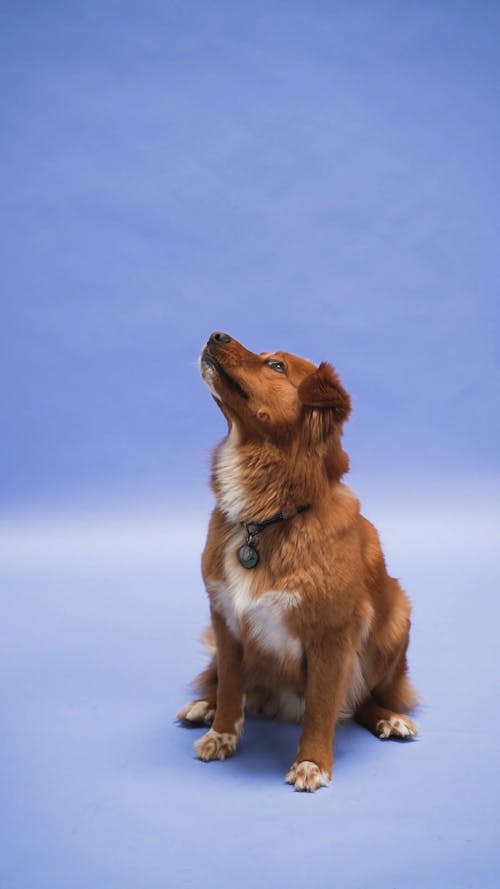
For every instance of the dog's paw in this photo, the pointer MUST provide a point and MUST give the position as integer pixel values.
(307, 776)
(215, 745)
(396, 726)
(197, 713)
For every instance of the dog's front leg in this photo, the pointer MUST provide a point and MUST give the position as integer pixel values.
(328, 663)
(221, 740)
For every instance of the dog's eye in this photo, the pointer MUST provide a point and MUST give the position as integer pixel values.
(277, 365)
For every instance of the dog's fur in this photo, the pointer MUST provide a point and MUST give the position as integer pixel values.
(317, 630)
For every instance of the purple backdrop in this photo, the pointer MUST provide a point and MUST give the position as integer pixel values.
(318, 177)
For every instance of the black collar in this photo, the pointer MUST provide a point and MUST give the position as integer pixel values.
(254, 528)
(247, 554)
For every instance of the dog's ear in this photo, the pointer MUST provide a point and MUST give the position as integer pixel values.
(322, 388)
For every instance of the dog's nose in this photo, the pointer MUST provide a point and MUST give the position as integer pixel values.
(219, 339)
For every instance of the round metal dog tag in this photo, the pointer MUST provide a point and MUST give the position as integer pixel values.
(248, 556)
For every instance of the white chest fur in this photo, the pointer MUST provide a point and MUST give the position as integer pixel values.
(231, 496)
(263, 615)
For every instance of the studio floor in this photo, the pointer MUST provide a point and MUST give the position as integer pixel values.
(101, 612)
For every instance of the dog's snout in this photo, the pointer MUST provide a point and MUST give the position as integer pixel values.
(219, 339)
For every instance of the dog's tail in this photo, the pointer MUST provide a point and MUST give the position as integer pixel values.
(207, 639)
(205, 684)
(396, 692)
(400, 696)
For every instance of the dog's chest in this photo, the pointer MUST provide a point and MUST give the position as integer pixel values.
(259, 616)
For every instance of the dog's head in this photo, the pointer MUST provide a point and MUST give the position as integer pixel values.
(276, 396)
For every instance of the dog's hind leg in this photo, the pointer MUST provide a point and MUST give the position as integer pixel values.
(383, 711)
(395, 691)
(382, 722)
(201, 711)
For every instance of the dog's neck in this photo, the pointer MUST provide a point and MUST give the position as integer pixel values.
(255, 481)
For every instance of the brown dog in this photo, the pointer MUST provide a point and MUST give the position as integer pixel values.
(306, 621)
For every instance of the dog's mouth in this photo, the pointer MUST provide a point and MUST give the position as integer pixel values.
(209, 360)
